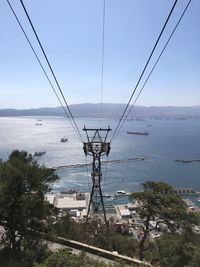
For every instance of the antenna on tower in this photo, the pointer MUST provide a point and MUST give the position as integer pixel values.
(96, 146)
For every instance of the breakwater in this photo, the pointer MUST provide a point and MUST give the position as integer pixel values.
(116, 161)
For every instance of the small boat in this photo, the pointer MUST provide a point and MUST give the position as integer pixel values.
(63, 139)
(39, 153)
(184, 160)
(187, 160)
(120, 192)
(111, 198)
(135, 132)
(198, 199)
(38, 124)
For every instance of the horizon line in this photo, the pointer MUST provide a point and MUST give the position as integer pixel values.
(145, 106)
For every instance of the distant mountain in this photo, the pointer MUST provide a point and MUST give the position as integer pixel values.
(109, 111)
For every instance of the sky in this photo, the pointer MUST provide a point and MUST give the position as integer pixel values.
(71, 34)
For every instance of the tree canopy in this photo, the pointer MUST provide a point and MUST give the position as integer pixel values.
(63, 258)
(174, 249)
(22, 198)
(158, 202)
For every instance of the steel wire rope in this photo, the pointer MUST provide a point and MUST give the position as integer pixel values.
(102, 75)
(87, 172)
(102, 55)
(155, 64)
(51, 69)
(39, 61)
(144, 69)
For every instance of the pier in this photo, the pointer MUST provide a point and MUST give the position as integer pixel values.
(179, 191)
(186, 191)
(117, 195)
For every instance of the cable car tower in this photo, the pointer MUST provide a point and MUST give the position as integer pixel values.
(96, 222)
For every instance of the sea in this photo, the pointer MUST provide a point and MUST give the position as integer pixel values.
(136, 158)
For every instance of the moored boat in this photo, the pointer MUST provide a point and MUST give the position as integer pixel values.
(39, 153)
(120, 192)
(63, 139)
(136, 132)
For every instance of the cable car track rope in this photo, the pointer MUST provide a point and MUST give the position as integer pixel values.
(143, 71)
(49, 65)
(155, 64)
(127, 110)
(41, 65)
(102, 55)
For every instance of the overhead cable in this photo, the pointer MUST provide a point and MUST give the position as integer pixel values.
(158, 59)
(40, 63)
(144, 69)
(51, 69)
(102, 54)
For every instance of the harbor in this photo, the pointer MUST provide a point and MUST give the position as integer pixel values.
(121, 211)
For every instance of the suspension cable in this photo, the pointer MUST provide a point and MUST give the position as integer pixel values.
(155, 64)
(40, 63)
(102, 55)
(50, 67)
(144, 69)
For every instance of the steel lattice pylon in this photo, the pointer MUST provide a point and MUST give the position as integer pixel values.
(96, 146)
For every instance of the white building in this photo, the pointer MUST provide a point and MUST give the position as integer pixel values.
(50, 198)
(68, 203)
(75, 205)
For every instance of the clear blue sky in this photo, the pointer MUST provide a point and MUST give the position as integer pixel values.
(71, 33)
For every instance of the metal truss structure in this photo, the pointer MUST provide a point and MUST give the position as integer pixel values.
(96, 146)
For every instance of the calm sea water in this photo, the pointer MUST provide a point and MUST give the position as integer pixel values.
(167, 141)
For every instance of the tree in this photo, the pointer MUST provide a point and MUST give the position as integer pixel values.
(63, 258)
(157, 201)
(23, 208)
(180, 250)
(68, 228)
(195, 261)
(124, 244)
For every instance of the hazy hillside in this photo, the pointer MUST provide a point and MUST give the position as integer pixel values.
(109, 110)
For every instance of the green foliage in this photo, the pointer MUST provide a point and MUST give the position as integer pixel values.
(68, 228)
(157, 201)
(157, 187)
(177, 250)
(195, 260)
(63, 258)
(22, 204)
(24, 258)
(124, 245)
(24, 211)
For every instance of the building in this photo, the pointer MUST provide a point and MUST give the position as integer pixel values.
(76, 205)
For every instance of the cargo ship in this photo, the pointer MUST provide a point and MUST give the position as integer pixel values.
(135, 132)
